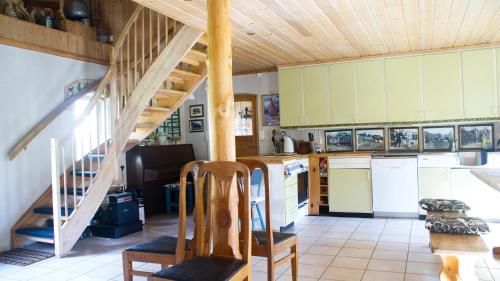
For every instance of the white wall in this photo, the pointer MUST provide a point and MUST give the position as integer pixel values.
(32, 84)
(258, 84)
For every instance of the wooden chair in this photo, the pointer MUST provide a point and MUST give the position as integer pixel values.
(165, 250)
(223, 234)
(269, 243)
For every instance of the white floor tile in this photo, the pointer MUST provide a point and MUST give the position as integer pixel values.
(343, 274)
(382, 276)
(350, 262)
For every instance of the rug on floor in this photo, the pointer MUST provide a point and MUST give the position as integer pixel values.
(23, 257)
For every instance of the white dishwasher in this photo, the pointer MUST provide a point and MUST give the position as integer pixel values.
(395, 186)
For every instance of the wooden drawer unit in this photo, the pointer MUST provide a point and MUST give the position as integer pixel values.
(291, 191)
(291, 180)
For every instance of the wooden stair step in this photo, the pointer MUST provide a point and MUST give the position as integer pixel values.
(47, 211)
(186, 75)
(156, 109)
(190, 61)
(175, 79)
(166, 93)
(146, 126)
(196, 55)
(203, 40)
(37, 233)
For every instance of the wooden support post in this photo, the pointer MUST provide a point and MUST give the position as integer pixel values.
(220, 83)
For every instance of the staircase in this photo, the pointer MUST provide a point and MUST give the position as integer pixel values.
(156, 64)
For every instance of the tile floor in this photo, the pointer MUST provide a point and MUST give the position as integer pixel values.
(349, 249)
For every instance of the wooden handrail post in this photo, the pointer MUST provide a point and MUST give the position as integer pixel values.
(220, 83)
(56, 195)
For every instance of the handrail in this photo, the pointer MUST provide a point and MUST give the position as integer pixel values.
(126, 28)
(27, 138)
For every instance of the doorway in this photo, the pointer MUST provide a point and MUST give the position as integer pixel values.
(247, 131)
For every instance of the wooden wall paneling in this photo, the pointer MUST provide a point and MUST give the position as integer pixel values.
(115, 14)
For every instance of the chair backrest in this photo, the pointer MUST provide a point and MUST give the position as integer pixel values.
(192, 168)
(254, 166)
(226, 231)
(256, 180)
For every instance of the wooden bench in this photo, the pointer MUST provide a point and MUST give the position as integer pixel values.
(459, 253)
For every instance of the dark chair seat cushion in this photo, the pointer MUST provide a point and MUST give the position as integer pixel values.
(456, 225)
(162, 245)
(202, 269)
(278, 237)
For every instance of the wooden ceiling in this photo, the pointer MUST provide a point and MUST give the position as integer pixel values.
(267, 33)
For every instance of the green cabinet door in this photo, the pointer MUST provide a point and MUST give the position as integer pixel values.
(343, 93)
(371, 91)
(403, 85)
(497, 63)
(290, 91)
(442, 86)
(316, 95)
(349, 190)
(478, 68)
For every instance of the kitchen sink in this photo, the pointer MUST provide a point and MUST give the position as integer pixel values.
(472, 158)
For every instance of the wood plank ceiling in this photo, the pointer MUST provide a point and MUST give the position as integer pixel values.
(267, 33)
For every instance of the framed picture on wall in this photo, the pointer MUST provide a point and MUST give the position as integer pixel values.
(271, 110)
(338, 140)
(196, 111)
(196, 126)
(472, 136)
(403, 139)
(370, 139)
(438, 138)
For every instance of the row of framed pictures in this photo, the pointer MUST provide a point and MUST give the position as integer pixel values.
(407, 139)
(196, 125)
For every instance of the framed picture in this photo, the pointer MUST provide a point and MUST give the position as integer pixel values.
(472, 136)
(338, 140)
(271, 110)
(370, 139)
(438, 138)
(196, 111)
(196, 126)
(403, 139)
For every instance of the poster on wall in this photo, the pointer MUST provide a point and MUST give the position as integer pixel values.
(196, 111)
(338, 140)
(77, 86)
(438, 138)
(271, 109)
(403, 139)
(370, 139)
(196, 126)
(473, 136)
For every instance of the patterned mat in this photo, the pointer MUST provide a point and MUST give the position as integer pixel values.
(23, 257)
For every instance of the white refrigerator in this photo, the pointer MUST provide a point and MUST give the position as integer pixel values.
(395, 186)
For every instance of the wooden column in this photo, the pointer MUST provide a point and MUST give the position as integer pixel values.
(220, 83)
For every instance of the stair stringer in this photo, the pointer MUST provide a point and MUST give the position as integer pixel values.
(168, 59)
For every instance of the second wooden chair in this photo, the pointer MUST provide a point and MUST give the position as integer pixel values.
(269, 243)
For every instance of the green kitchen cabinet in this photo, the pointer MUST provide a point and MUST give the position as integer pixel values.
(316, 93)
(371, 91)
(404, 91)
(349, 190)
(479, 83)
(442, 86)
(343, 93)
(290, 92)
(497, 63)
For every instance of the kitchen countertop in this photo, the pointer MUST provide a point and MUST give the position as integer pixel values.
(489, 176)
(276, 159)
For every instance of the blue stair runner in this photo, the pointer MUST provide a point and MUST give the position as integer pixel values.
(48, 211)
(37, 231)
(71, 191)
(95, 156)
(85, 173)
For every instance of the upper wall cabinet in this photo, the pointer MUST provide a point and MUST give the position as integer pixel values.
(403, 86)
(371, 91)
(479, 83)
(442, 86)
(343, 93)
(291, 103)
(316, 81)
(497, 63)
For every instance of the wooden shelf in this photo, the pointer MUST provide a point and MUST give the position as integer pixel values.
(323, 204)
(326, 185)
(323, 194)
(26, 35)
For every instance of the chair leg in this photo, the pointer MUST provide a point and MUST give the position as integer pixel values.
(295, 263)
(259, 213)
(270, 268)
(127, 267)
(252, 215)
